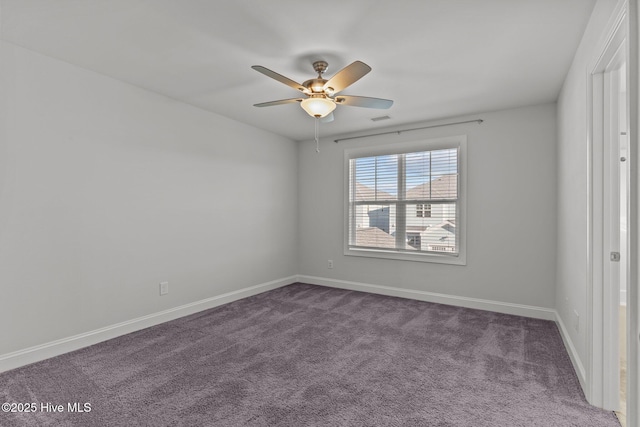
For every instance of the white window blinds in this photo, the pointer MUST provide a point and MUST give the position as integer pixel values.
(406, 202)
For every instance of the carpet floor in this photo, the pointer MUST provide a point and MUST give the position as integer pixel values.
(305, 355)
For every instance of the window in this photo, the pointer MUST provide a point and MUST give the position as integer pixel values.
(423, 211)
(406, 201)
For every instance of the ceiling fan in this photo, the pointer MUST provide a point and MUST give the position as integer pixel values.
(321, 93)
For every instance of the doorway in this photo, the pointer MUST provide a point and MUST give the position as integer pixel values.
(614, 215)
(619, 187)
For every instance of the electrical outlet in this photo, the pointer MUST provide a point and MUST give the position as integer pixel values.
(164, 288)
(576, 321)
(330, 264)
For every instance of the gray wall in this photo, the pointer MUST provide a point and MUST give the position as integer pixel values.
(107, 190)
(511, 212)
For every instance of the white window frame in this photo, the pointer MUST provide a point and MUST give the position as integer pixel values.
(457, 141)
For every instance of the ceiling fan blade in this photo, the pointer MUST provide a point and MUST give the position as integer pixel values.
(279, 102)
(279, 77)
(327, 119)
(363, 101)
(347, 76)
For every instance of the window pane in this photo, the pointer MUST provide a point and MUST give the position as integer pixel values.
(445, 187)
(377, 216)
(373, 237)
(432, 175)
(444, 162)
(418, 168)
(441, 238)
(376, 178)
(432, 226)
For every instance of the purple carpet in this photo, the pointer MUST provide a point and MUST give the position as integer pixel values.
(307, 355)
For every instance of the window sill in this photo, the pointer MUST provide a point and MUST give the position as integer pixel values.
(458, 259)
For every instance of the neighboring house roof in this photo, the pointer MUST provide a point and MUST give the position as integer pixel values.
(373, 237)
(365, 193)
(439, 234)
(450, 226)
(444, 187)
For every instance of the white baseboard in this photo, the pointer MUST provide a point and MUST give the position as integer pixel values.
(573, 353)
(480, 304)
(55, 348)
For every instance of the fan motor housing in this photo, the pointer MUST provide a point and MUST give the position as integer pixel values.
(315, 85)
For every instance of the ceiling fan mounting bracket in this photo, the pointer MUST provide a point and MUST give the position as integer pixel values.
(320, 67)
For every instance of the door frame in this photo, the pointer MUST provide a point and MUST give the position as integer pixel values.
(624, 25)
(633, 290)
(611, 230)
(602, 373)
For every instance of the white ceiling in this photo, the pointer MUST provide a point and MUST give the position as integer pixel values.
(434, 58)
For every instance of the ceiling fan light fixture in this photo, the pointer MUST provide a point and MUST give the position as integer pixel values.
(321, 92)
(318, 107)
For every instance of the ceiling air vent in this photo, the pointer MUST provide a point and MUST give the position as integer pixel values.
(377, 119)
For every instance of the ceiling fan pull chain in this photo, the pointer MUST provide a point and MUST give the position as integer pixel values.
(317, 120)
